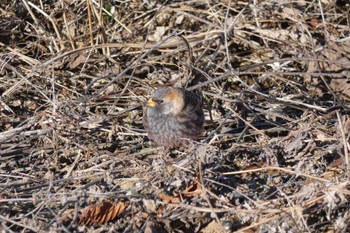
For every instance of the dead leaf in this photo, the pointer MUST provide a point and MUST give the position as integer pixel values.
(336, 163)
(332, 59)
(193, 190)
(169, 199)
(3, 196)
(76, 60)
(101, 213)
(334, 169)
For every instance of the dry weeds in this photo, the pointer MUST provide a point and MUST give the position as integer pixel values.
(275, 76)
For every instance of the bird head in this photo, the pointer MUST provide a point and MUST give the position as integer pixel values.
(167, 100)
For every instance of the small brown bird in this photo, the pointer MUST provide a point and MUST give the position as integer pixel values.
(173, 115)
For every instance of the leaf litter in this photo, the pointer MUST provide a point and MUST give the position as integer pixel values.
(275, 79)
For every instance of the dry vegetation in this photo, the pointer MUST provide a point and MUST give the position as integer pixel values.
(275, 77)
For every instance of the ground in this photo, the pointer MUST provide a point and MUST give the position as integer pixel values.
(274, 75)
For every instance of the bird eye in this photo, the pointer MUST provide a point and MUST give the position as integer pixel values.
(160, 101)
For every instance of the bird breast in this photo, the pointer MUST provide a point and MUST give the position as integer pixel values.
(172, 130)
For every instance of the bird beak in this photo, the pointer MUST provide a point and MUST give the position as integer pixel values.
(151, 103)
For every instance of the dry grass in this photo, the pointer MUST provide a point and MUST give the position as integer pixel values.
(275, 76)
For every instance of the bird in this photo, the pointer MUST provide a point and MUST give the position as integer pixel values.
(174, 115)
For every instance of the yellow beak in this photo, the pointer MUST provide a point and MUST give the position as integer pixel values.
(151, 103)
